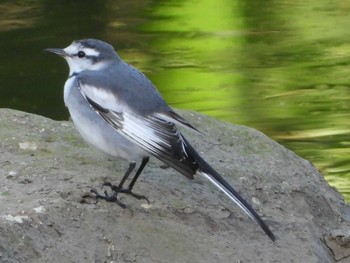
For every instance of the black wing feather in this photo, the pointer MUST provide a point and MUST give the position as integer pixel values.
(170, 146)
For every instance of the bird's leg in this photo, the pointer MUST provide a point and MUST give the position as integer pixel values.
(114, 197)
(133, 181)
(119, 188)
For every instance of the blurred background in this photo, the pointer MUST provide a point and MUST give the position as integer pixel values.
(282, 67)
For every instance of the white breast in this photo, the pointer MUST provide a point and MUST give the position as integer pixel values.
(67, 88)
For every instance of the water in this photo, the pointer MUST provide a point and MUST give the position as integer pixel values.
(281, 67)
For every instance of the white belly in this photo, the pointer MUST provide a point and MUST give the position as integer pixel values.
(95, 130)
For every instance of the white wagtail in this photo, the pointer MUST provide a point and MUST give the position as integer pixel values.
(118, 110)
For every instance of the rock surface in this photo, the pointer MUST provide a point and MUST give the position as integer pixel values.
(46, 214)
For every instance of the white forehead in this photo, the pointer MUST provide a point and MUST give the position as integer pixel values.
(74, 48)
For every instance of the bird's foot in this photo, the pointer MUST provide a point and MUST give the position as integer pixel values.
(137, 196)
(108, 197)
(113, 197)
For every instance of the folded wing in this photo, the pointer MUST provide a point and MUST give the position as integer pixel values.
(155, 133)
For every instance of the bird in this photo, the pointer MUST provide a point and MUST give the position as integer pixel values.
(118, 110)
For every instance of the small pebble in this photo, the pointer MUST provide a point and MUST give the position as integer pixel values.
(146, 205)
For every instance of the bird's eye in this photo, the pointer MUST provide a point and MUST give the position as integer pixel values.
(81, 54)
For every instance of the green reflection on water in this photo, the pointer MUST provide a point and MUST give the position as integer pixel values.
(198, 54)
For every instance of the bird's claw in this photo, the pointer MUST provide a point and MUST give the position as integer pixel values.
(114, 196)
(107, 197)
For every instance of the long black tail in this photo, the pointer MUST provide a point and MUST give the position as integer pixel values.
(208, 172)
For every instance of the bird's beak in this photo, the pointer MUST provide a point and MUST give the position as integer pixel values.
(57, 51)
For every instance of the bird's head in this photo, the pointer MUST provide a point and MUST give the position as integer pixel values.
(86, 54)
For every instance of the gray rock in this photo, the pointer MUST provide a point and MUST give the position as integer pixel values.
(46, 214)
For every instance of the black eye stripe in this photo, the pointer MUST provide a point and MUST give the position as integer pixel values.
(82, 54)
